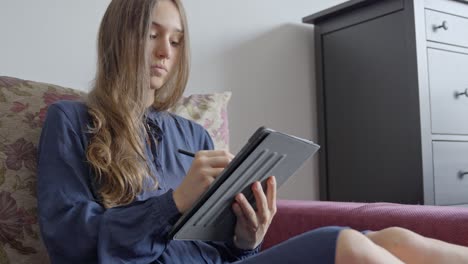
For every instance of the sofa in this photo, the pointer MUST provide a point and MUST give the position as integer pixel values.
(446, 223)
(23, 105)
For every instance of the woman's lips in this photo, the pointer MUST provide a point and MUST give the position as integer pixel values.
(159, 67)
(158, 70)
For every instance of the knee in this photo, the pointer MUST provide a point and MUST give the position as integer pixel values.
(353, 247)
(396, 238)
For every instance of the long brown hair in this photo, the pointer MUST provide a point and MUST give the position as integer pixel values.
(117, 102)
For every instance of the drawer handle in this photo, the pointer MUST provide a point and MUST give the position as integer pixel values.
(444, 26)
(461, 174)
(465, 93)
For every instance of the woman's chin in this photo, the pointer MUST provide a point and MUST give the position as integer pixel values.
(156, 82)
(155, 85)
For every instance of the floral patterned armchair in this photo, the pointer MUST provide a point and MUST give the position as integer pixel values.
(23, 106)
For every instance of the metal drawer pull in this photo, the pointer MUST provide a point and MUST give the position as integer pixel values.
(444, 26)
(461, 174)
(457, 94)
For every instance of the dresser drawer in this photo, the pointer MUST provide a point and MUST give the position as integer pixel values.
(450, 162)
(448, 84)
(445, 28)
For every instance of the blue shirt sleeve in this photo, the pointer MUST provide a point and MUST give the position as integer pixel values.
(77, 229)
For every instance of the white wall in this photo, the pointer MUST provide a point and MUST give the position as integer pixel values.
(258, 49)
(50, 40)
(261, 51)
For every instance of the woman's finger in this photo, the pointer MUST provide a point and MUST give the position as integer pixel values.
(212, 172)
(214, 153)
(261, 202)
(238, 212)
(240, 216)
(217, 161)
(247, 210)
(271, 194)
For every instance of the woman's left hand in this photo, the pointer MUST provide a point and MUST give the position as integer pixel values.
(252, 225)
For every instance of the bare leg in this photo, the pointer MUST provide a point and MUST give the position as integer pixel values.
(353, 247)
(414, 248)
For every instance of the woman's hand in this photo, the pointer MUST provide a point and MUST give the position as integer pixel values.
(206, 166)
(252, 225)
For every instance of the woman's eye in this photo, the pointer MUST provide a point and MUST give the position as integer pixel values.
(175, 43)
(153, 36)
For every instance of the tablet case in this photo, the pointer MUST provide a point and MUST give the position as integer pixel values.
(271, 153)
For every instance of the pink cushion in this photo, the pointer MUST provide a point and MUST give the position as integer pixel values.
(441, 222)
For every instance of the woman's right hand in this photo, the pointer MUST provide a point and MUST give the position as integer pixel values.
(206, 166)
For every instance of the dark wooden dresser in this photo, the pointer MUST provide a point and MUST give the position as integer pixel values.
(392, 86)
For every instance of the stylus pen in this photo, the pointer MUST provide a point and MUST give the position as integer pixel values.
(185, 152)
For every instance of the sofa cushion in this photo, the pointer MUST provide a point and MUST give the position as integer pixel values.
(23, 106)
(447, 223)
(210, 111)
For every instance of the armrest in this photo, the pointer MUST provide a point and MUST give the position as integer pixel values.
(446, 223)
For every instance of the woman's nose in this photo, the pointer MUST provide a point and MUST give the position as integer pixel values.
(163, 51)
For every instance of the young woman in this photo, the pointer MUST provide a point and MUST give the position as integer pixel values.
(111, 184)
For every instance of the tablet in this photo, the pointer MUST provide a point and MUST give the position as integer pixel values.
(266, 153)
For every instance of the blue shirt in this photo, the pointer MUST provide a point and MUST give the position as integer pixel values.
(76, 228)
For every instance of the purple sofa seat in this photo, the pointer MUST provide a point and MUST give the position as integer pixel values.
(295, 217)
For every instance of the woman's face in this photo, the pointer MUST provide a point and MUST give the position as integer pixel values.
(165, 41)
